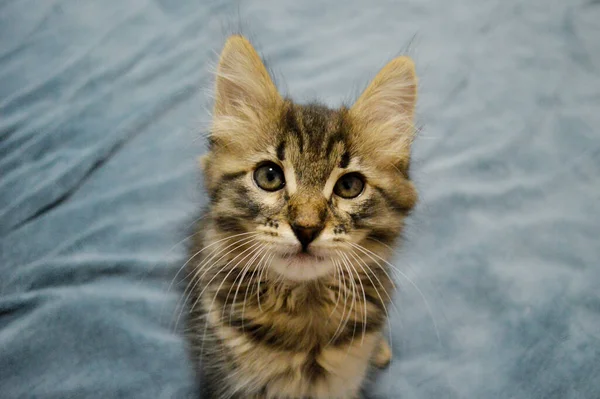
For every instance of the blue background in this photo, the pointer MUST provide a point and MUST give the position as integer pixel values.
(102, 114)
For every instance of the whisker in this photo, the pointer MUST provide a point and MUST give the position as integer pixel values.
(199, 252)
(342, 280)
(387, 275)
(339, 278)
(260, 279)
(196, 280)
(154, 266)
(354, 302)
(196, 271)
(202, 265)
(222, 281)
(387, 316)
(245, 270)
(400, 273)
(344, 321)
(250, 234)
(258, 269)
(252, 248)
(364, 332)
(397, 252)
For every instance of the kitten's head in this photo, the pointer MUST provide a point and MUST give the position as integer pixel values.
(308, 185)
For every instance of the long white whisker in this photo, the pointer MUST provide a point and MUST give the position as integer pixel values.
(260, 278)
(354, 301)
(194, 281)
(208, 284)
(364, 332)
(344, 321)
(394, 268)
(237, 244)
(199, 252)
(257, 271)
(344, 307)
(339, 279)
(252, 248)
(248, 266)
(387, 316)
(154, 266)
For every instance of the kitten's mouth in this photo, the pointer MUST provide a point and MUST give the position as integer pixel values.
(302, 265)
(303, 257)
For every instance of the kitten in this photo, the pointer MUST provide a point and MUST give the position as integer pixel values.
(288, 285)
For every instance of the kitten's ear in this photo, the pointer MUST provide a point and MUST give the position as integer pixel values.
(242, 80)
(385, 110)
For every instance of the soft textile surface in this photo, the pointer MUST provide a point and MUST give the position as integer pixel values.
(102, 105)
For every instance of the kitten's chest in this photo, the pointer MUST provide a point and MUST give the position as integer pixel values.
(299, 349)
(316, 372)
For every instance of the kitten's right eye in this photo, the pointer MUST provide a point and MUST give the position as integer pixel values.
(349, 186)
(269, 177)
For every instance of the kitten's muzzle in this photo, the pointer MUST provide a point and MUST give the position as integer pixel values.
(307, 211)
(306, 234)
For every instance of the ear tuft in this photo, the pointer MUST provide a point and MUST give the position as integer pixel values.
(392, 91)
(384, 113)
(242, 80)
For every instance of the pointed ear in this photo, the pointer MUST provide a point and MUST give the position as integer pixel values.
(243, 83)
(385, 111)
(392, 92)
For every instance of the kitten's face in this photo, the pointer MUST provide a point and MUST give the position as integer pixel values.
(309, 187)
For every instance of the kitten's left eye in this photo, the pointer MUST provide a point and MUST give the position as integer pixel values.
(269, 177)
(349, 186)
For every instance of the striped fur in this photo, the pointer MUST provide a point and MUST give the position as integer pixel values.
(266, 322)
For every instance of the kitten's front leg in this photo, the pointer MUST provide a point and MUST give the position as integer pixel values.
(383, 354)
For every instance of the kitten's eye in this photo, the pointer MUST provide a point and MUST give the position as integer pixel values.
(349, 185)
(269, 177)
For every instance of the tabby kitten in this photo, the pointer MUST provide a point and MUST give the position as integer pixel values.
(288, 283)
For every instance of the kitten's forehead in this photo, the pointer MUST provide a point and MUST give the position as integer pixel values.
(315, 140)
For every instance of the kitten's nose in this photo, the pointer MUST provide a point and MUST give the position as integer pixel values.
(306, 234)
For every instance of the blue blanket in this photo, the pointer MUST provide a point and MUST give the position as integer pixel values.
(102, 114)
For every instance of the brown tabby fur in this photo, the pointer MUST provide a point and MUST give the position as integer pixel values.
(257, 332)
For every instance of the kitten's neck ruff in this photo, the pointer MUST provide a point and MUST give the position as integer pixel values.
(296, 315)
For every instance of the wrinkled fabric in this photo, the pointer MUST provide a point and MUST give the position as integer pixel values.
(103, 109)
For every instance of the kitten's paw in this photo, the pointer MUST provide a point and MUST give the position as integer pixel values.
(383, 356)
